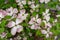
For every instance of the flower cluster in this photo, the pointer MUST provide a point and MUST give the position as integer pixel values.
(30, 19)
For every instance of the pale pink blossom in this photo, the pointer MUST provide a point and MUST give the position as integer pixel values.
(19, 28)
(17, 1)
(46, 15)
(15, 10)
(48, 25)
(35, 26)
(22, 15)
(20, 5)
(18, 21)
(12, 11)
(46, 1)
(43, 31)
(16, 29)
(11, 24)
(22, 11)
(32, 21)
(39, 21)
(25, 38)
(13, 30)
(41, 1)
(33, 6)
(3, 34)
(46, 32)
(24, 2)
(47, 35)
(3, 13)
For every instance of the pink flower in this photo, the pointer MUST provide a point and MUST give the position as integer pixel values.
(22, 15)
(11, 24)
(48, 25)
(35, 26)
(39, 21)
(16, 29)
(19, 28)
(3, 34)
(3, 13)
(18, 21)
(13, 30)
(41, 1)
(43, 31)
(22, 11)
(32, 21)
(12, 11)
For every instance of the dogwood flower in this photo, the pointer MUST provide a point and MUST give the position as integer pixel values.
(48, 25)
(34, 20)
(3, 35)
(22, 15)
(11, 24)
(12, 11)
(33, 6)
(46, 15)
(19, 1)
(46, 1)
(15, 29)
(3, 13)
(24, 2)
(35, 26)
(18, 21)
(41, 1)
(46, 32)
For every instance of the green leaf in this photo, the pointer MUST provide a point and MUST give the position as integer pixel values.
(38, 33)
(9, 34)
(51, 19)
(7, 17)
(3, 23)
(34, 14)
(2, 30)
(24, 24)
(42, 24)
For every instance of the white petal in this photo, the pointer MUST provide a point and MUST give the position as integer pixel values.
(15, 10)
(47, 35)
(2, 16)
(22, 11)
(47, 10)
(36, 16)
(41, 1)
(19, 28)
(23, 2)
(38, 21)
(11, 24)
(46, 1)
(18, 21)
(13, 30)
(44, 31)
